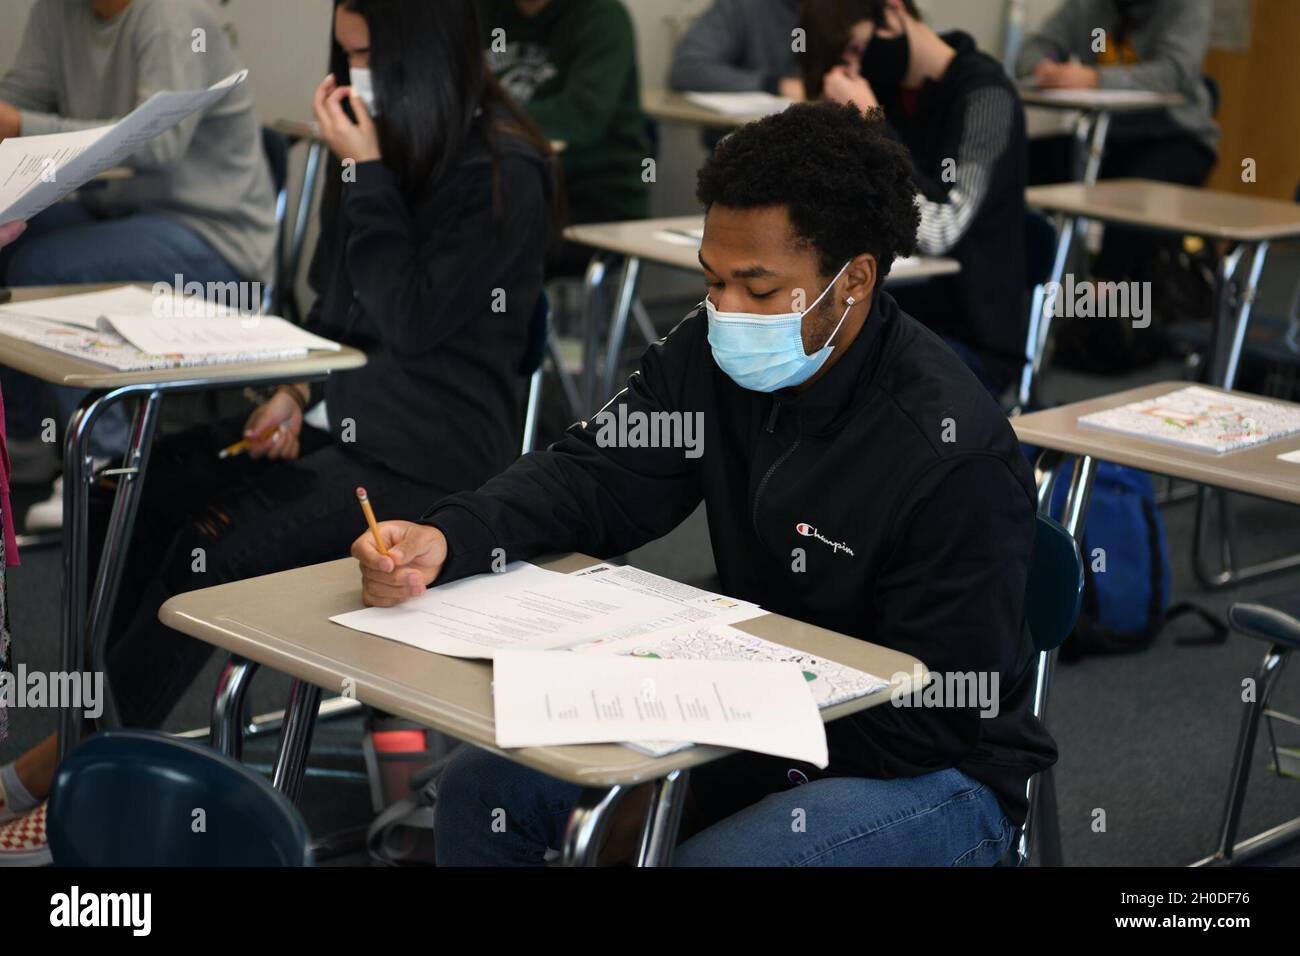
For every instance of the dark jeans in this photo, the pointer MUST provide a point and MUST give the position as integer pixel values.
(204, 522)
(939, 819)
(1184, 160)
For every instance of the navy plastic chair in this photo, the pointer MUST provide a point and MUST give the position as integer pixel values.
(137, 798)
(534, 366)
(1053, 599)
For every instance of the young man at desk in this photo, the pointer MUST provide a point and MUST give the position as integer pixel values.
(856, 476)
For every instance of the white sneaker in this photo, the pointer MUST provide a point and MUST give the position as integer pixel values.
(47, 515)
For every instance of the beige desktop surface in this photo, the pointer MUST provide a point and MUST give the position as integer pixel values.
(676, 108)
(1164, 206)
(1255, 471)
(282, 621)
(1142, 101)
(60, 369)
(645, 239)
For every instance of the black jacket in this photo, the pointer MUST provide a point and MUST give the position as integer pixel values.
(439, 296)
(897, 454)
(968, 146)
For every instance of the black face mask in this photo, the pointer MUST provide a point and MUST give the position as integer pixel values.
(885, 61)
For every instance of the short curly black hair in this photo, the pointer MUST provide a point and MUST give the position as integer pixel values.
(848, 186)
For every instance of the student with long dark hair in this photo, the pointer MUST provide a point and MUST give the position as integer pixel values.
(434, 233)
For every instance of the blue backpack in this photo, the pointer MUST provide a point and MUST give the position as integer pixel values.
(1126, 564)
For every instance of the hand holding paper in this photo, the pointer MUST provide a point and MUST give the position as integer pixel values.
(38, 171)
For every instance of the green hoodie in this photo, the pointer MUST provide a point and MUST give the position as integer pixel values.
(573, 68)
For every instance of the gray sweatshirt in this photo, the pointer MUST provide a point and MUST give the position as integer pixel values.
(737, 46)
(1170, 40)
(74, 71)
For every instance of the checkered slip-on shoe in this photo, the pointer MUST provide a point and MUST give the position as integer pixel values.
(23, 841)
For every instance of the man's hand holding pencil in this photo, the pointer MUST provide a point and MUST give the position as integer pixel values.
(414, 558)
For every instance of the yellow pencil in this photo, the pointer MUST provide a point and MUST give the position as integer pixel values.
(370, 520)
(239, 447)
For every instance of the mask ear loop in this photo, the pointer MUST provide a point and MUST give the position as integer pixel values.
(836, 331)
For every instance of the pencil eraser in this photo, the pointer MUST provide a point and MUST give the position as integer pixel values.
(361, 493)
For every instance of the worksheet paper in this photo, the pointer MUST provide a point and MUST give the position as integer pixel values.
(38, 171)
(542, 698)
(740, 104)
(829, 682)
(197, 338)
(526, 607)
(87, 309)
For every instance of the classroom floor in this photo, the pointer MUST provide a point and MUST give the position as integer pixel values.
(1147, 738)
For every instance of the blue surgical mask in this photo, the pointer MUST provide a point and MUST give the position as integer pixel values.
(764, 353)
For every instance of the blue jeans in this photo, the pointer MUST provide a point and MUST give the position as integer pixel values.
(494, 812)
(67, 244)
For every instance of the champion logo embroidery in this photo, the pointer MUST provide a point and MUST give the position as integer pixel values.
(808, 531)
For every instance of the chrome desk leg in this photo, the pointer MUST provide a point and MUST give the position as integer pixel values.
(663, 818)
(297, 241)
(1043, 310)
(126, 503)
(592, 283)
(227, 733)
(618, 327)
(295, 740)
(588, 824)
(1234, 312)
(76, 655)
(1096, 148)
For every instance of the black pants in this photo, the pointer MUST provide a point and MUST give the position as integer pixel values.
(1181, 159)
(203, 522)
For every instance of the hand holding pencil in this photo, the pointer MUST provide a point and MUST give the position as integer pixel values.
(273, 430)
(398, 559)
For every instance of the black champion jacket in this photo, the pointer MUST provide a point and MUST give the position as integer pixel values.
(895, 476)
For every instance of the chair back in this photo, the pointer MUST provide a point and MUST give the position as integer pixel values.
(1055, 592)
(143, 798)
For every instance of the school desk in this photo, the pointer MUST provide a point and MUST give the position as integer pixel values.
(1249, 223)
(1095, 109)
(671, 107)
(666, 242)
(1254, 471)
(85, 623)
(282, 621)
